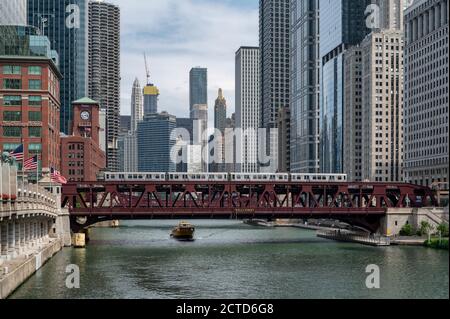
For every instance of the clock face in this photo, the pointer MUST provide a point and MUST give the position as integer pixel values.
(85, 115)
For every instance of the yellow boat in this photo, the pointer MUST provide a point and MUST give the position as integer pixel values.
(184, 231)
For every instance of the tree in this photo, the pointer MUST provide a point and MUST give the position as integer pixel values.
(406, 230)
(443, 229)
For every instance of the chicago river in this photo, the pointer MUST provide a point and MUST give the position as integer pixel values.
(229, 259)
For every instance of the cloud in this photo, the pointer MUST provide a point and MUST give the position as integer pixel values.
(178, 35)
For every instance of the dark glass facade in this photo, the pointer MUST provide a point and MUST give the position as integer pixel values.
(305, 85)
(342, 24)
(66, 27)
(154, 143)
(198, 87)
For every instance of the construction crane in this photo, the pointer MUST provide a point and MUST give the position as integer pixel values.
(147, 71)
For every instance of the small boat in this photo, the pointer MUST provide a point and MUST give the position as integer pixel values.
(184, 231)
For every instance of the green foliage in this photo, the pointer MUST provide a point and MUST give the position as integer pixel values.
(443, 229)
(425, 229)
(407, 230)
(437, 244)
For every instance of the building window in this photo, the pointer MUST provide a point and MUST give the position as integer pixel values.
(35, 100)
(34, 70)
(9, 100)
(12, 84)
(8, 147)
(12, 131)
(35, 131)
(34, 84)
(11, 69)
(34, 149)
(34, 116)
(12, 116)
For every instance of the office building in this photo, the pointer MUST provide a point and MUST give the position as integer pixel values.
(137, 106)
(200, 131)
(274, 44)
(154, 143)
(104, 70)
(220, 112)
(128, 161)
(247, 108)
(65, 23)
(342, 25)
(29, 96)
(198, 88)
(13, 12)
(426, 93)
(151, 96)
(305, 87)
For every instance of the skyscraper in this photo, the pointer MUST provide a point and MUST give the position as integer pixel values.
(391, 13)
(247, 107)
(137, 107)
(65, 23)
(426, 92)
(198, 87)
(342, 24)
(274, 39)
(305, 86)
(13, 12)
(155, 143)
(151, 96)
(104, 70)
(220, 112)
(382, 106)
(200, 116)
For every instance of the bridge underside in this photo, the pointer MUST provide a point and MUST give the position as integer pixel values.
(357, 203)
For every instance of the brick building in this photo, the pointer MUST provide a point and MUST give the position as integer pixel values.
(29, 96)
(81, 152)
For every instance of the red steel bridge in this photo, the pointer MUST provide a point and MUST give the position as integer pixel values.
(360, 204)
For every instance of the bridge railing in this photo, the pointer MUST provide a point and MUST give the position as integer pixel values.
(25, 196)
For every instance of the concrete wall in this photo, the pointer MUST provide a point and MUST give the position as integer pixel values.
(11, 281)
(399, 217)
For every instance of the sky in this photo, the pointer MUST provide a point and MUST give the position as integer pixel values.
(177, 35)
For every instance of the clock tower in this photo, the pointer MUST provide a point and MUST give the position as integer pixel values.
(86, 119)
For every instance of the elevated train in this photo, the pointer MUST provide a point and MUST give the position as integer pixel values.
(222, 177)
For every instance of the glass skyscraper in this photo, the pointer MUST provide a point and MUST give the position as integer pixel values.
(65, 23)
(342, 24)
(305, 85)
(198, 87)
(155, 144)
(13, 12)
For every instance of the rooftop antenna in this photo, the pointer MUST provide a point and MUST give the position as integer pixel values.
(147, 71)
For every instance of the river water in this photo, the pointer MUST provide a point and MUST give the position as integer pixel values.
(232, 260)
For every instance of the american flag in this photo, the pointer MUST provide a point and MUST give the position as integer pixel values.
(57, 177)
(31, 164)
(18, 153)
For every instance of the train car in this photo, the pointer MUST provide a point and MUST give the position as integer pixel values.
(197, 177)
(134, 177)
(258, 177)
(318, 178)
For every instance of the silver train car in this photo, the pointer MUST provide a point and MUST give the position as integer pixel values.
(222, 177)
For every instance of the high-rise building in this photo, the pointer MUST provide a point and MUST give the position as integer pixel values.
(82, 156)
(104, 70)
(284, 121)
(137, 106)
(426, 92)
(154, 143)
(128, 161)
(200, 119)
(13, 12)
(220, 112)
(29, 96)
(185, 142)
(353, 113)
(382, 106)
(151, 96)
(274, 43)
(305, 86)
(391, 14)
(125, 124)
(65, 23)
(198, 87)
(247, 108)
(342, 24)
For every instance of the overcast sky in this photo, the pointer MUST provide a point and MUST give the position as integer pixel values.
(178, 35)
